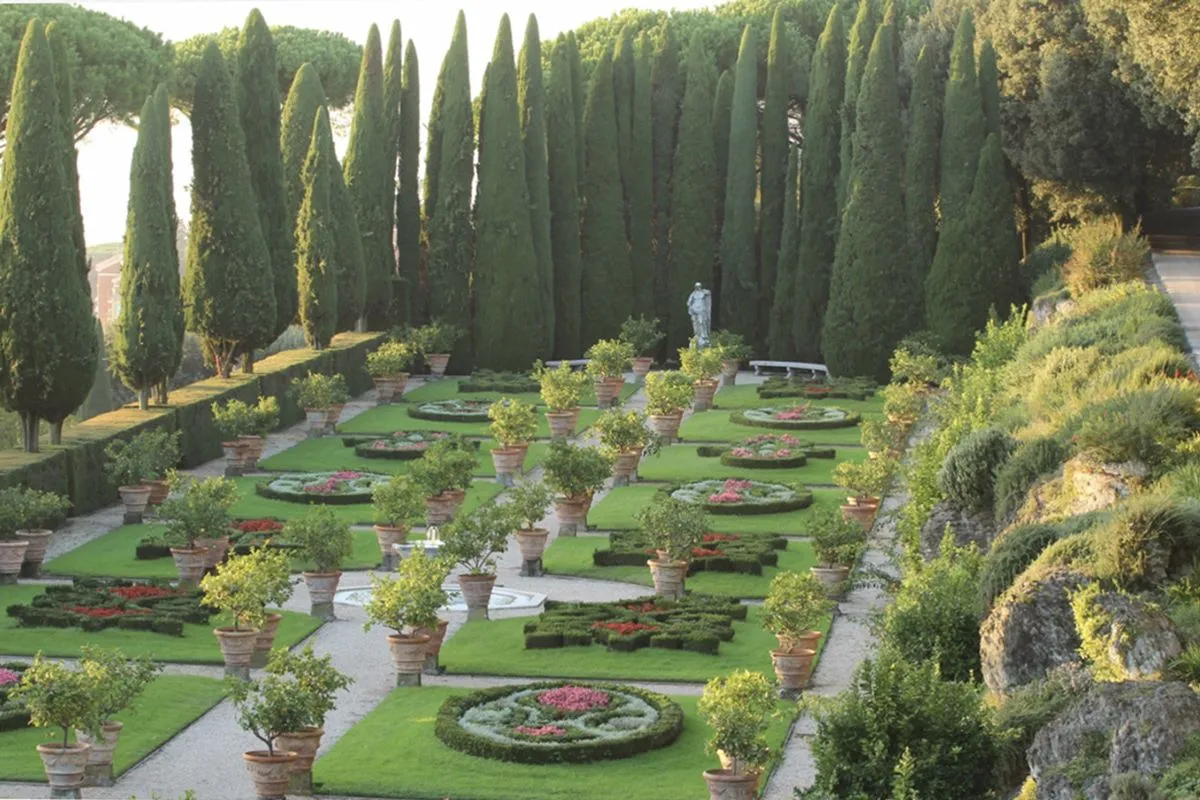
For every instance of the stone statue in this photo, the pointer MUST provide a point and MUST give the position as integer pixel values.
(699, 305)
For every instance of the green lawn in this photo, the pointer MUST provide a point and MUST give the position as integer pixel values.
(252, 506)
(448, 389)
(395, 417)
(746, 396)
(716, 426)
(196, 646)
(366, 761)
(618, 510)
(572, 555)
(169, 704)
(329, 454)
(680, 463)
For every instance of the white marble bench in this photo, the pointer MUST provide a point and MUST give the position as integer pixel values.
(790, 366)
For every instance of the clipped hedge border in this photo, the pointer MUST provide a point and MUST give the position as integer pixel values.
(664, 732)
(435, 416)
(757, 550)
(730, 460)
(264, 489)
(13, 714)
(500, 382)
(849, 421)
(804, 499)
(837, 394)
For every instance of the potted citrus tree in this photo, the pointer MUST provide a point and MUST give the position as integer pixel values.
(738, 709)
(473, 541)
(316, 681)
(408, 605)
(674, 529)
(607, 361)
(667, 395)
(795, 604)
(734, 351)
(118, 680)
(130, 465)
(529, 502)
(837, 543)
(397, 502)
(12, 549)
(642, 335)
(235, 421)
(313, 393)
(241, 589)
(575, 474)
(444, 475)
(388, 367)
(325, 542)
(623, 437)
(561, 389)
(267, 708)
(57, 696)
(514, 424)
(28, 518)
(162, 449)
(198, 523)
(865, 480)
(434, 342)
(701, 365)
(264, 418)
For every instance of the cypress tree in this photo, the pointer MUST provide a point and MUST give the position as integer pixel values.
(579, 92)
(101, 398)
(963, 124)
(315, 243)
(228, 291)
(739, 269)
(861, 36)
(258, 106)
(295, 136)
(722, 114)
(408, 199)
(989, 88)
(871, 288)
(606, 287)
(531, 95)
(147, 334)
(393, 88)
(47, 333)
(779, 334)
(562, 158)
(451, 237)
(510, 327)
(666, 87)
(694, 204)
(920, 165)
(349, 266)
(773, 167)
(623, 68)
(640, 184)
(819, 209)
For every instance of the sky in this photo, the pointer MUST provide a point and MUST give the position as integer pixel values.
(105, 154)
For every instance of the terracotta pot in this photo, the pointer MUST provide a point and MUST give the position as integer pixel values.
(269, 773)
(571, 513)
(387, 536)
(304, 743)
(215, 550)
(617, 383)
(408, 653)
(625, 464)
(437, 363)
(562, 424)
(729, 371)
(333, 415)
(606, 393)
(322, 585)
(316, 420)
(724, 785)
(808, 640)
(190, 562)
(508, 460)
(436, 637)
(575, 417)
(641, 367)
(37, 542)
(532, 543)
(863, 515)
(266, 634)
(64, 765)
(702, 394)
(235, 456)
(159, 491)
(100, 754)
(668, 577)
(401, 380)
(666, 425)
(135, 499)
(734, 765)
(385, 389)
(438, 509)
(237, 646)
(456, 497)
(833, 579)
(793, 668)
(477, 592)
(254, 450)
(524, 448)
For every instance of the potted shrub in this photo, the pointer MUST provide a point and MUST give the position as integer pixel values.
(444, 475)
(903, 403)
(607, 361)
(322, 398)
(60, 697)
(339, 395)
(273, 571)
(575, 473)
(674, 529)
(865, 480)
(514, 424)
(234, 420)
(163, 451)
(267, 708)
(837, 543)
(397, 502)
(241, 588)
(795, 604)
(28, 518)
(315, 680)
(264, 418)
(325, 542)
(529, 502)
(434, 342)
(130, 465)
(561, 389)
(473, 541)
(12, 549)
(117, 681)
(197, 523)
(734, 351)
(701, 365)
(388, 367)
(667, 395)
(882, 438)
(738, 709)
(409, 606)
(642, 335)
(623, 437)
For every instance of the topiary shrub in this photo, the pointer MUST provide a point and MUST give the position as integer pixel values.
(1017, 475)
(968, 476)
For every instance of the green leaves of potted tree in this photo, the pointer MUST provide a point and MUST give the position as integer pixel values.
(674, 528)
(667, 395)
(701, 365)
(64, 698)
(198, 523)
(396, 503)
(575, 473)
(444, 474)
(162, 450)
(734, 351)
(267, 708)
(795, 604)
(529, 502)
(264, 418)
(315, 681)
(389, 367)
(117, 680)
(623, 437)
(130, 465)
(837, 543)
(28, 518)
(866, 480)
(408, 605)
(235, 422)
(561, 389)
(241, 588)
(326, 542)
(473, 541)
(642, 335)
(434, 342)
(514, 424)
(738, 709)
(322, 398)
(607, 361)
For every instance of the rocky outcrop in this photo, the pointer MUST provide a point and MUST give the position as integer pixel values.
(1126, 638)
(1048, 306)
(1115, 728)
(1081, 487)
(969, 527)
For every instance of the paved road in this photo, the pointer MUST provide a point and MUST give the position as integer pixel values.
(1179, 274)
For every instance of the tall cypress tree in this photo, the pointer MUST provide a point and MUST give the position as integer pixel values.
(640, 184)
(773, 166)
(349, 266)
(510, 327)
(147, 334)
(393, 88)
(623, 68)
(317, 284)
(562, 157)
(989, 87)
(47, 333)
(779, 334)
(229, 294)
(871, 286)
(666, 86)
(532, 99)
(693, 234)
(579, 92)
(721, 116)
(607, 283)
(408, 198)
(963, 124)
(920, 165)
(448, 205)
(258, 106)
(861, 36)
(739, 267)
(299, 111)
(819, 209)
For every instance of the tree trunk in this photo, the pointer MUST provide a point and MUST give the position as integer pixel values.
(56, 432)
(248, 362)
(29, 431)
(160, 394)
(144, 398)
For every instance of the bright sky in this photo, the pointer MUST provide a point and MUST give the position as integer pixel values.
(104, 156)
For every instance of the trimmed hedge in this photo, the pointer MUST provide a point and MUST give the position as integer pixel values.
(486, 380)
(435, 416)
(803, 499)
(730, 460)
(744, 552)
(166, 614)
(776, 387)
(76, 467)
(849, 421)
(263, 489)
(13, 713)
(718, 451)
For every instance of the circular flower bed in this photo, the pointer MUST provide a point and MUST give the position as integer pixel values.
(556, 722)
(801, 417)
(452, 410)
(400, 445)
(740, 496)
(332, 488)
(768, 450)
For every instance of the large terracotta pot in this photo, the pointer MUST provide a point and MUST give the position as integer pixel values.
(624, 466)
(332, 416)
(606, 392)
(437, 363)
(666, 425)
(571, 513)
(792, 668)
(315, 419)
(304, 743)
(723, 785)
(734, 765)
(562, 424)
(575, 417)
(266, 634)
(159, 491)
(269, 773)
(456, 497)
(436, 637)
(532, 543)
(641, 367)
(237, 646)
(385, 389)
(508, 462)
(729, 371)
(833, 579)
(668, 577)
(254, 450)
(805, 641)
(215, 550)
(64, 766)
(35, 553)
(12, 555)
(322, 586)
(438, 509)
(477, 592)
(408, 656)
(863, 514)
(702, 394)
(100, 753)
(401, 380)
(235, 457)
(135, 498)
(190, 562)
(388, 537)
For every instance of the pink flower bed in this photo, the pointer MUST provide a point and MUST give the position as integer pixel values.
(332, 483)
(7, 676)
(795, 412)
(574, 698)
(543, 730)
(731, 491)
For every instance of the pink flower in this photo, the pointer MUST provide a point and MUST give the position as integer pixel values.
(742, 452)
(796, 412)
(734, 485)
(725, 497)
(544, 730)
(346, 476)
(787, 438)
(7, 676)
(325, 487)
(574, 698)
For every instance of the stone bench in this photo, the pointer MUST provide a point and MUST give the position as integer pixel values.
(574, 363)
(790, 366)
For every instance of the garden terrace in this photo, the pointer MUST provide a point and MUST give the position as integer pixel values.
(696, 624)
(720, 552)
(332, 454)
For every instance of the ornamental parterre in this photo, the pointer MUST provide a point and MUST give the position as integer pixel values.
(399, 445)
(454, 410)
(13, 713)
(94, 605)
(720, 552)
(333, 488)
(742, 496)
(558, 722)
(799, 417)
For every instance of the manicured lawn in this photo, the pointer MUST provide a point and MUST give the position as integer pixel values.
(196, 646)
(681, 463)
(366, 761)
(618, 511)
(572, 555)
(746, 396)
(252, 506)
(716, 426)
(448, 389)
(395, 417)
(169, 704)
(328, 454)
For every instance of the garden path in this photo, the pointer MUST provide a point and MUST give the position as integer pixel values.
(1179, 274)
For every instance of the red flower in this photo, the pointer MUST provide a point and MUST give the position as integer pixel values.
(623, 628)
(643, 608)
(139, 591)
(106, 612)
(709, 538)
(701, 552)
(259, 526)
(574, 698)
